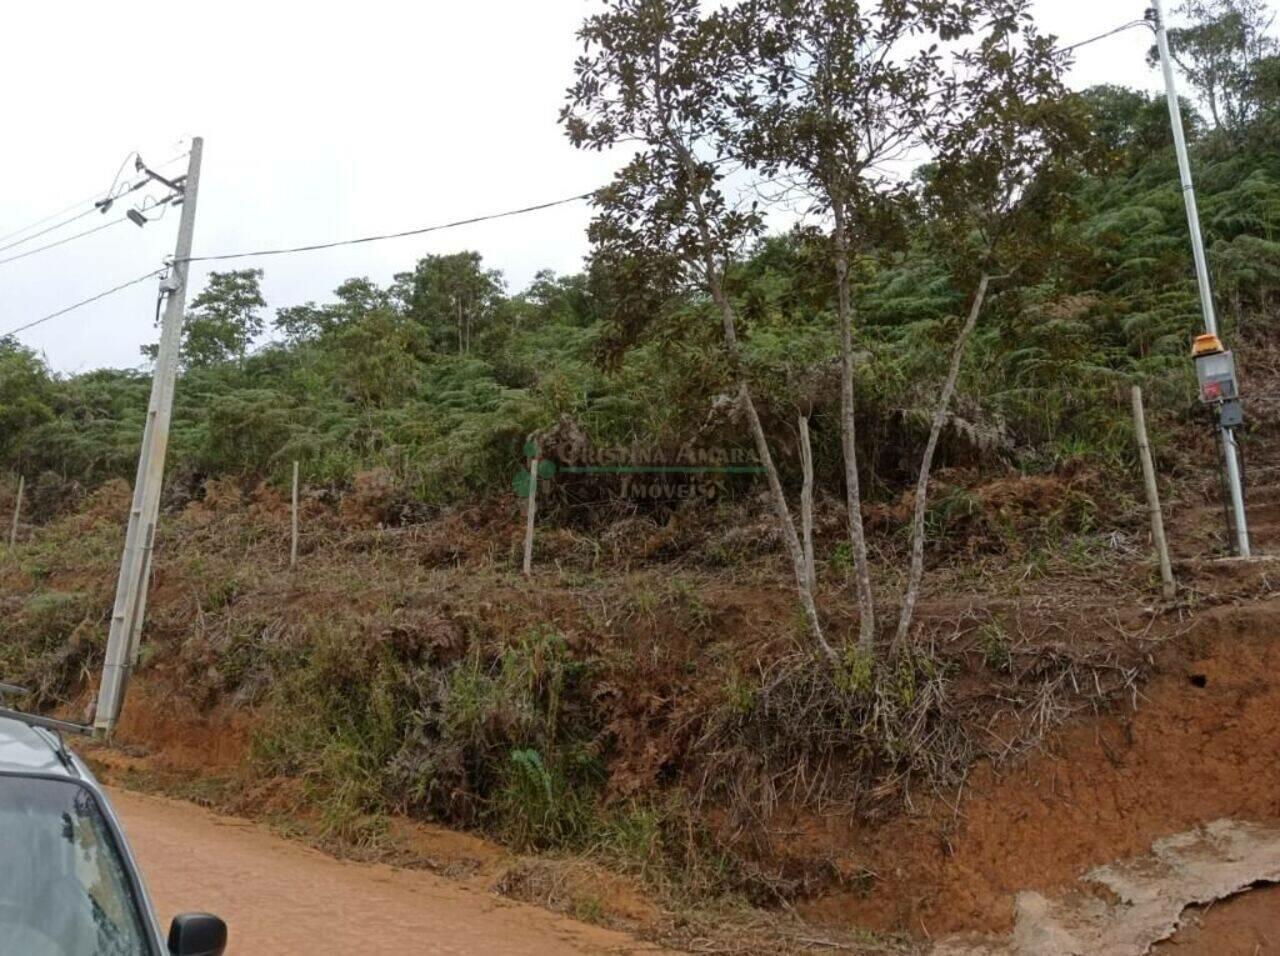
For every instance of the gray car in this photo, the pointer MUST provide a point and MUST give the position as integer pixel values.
(68, 884)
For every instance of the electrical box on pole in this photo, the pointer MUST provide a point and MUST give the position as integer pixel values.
(135, 563)
(1215, 366)
(1219, 386)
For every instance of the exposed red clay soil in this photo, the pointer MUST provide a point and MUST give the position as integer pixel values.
(1202, 745)
(1248, 924)
(179, 736)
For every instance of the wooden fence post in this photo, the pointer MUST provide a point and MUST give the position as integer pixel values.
(17, 512)
(1169, 586)
(533, 509)
(293, 544)
(806, 505)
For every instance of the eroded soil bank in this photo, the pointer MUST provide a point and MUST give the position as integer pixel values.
(1201, 745)
(1084, 720)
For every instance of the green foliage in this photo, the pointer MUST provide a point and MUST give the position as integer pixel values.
(452, 297)
(1220, 49)
(439, 378)
(496, 737)
(224, 319)
(26, 393)
(997, 651)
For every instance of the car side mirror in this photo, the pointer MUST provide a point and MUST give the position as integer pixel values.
(197, 934)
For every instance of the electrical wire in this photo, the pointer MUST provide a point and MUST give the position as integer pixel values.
(120, 172)
(391, 235)
(1102, 36)
(48, 229)
(110, 198)
(83, 302)
(53, 215)
(314, 247)
(93, 198)
(270, 252)
(63, 242)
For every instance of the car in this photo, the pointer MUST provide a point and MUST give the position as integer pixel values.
(69, 885)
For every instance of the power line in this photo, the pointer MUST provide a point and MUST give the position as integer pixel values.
(273, 252)
(83, 302)
(392, 235)
(1102, 36)
(52, 215)
(63, 242)
(48, 229)
(314, 247)
(90, 199)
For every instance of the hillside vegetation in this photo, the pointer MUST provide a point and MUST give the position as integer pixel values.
(653, 695)
(379, 377)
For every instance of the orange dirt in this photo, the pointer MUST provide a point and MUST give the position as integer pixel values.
(1248, 923)
(180, 737)
(1201, 745)
(279, 897)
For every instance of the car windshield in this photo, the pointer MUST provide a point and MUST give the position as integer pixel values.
(64, 890)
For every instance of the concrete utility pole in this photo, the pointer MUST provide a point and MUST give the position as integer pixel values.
(1230, 452)
(135, 564)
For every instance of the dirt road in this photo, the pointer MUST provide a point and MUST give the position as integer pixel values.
(283, 898)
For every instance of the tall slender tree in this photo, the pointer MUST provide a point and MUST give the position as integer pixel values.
(654, 76)
(223, 319)
(451, 296)
(1006, 162)
(842, 91)
(845, 90)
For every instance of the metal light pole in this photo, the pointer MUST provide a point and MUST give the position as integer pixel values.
(135, 564)
(1230, 452)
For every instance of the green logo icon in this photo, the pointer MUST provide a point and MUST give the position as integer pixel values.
(546, 470)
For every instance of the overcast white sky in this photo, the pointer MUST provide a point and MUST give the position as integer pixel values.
(321, 121)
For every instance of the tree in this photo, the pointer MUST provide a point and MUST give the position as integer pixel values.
(1006, 163)
(451, 296)
(375, 358)
(1266, 91)
(1220, 51)
(653, 75)
(224, 319)
(26, 395)
(1133, 124)
(565, 300)
(842, 88)
(356, 299)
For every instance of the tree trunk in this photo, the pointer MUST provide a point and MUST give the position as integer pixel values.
(916, 572)
(849, 442)
(806, 504)
(807, 600)
(800, 566)
(729, 323)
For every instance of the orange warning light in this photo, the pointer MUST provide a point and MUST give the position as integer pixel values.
(1206, 345)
